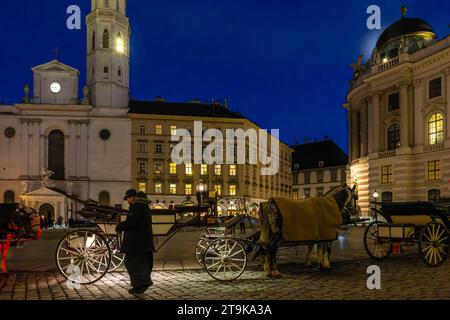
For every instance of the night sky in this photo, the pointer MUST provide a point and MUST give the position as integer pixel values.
(283, 64)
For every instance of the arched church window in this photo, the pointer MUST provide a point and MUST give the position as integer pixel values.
(436, 129)
(394, 136)
(9, 197)
(106, 39)
(104, 199)
(56, 154)
(120, 43)
(93, 40)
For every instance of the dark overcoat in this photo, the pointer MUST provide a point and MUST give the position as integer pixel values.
(137, 229)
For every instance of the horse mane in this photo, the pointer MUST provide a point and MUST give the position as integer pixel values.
(333, 190)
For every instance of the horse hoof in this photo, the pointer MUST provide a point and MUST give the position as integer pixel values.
(276, 274)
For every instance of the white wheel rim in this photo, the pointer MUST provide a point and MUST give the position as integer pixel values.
(200, 250)
(83, 257)
(225, 259)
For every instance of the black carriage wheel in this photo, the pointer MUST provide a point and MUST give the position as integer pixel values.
(433, 244)
(225, 259)
(83, 257)
(376, 248)
(117, 258)
(200, 252)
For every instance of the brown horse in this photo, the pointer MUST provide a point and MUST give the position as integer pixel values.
(271, 222)
(16, 225)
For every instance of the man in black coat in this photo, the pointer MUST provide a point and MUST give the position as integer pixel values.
(137, 242)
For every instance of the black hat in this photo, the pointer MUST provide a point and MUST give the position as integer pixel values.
(130, 193)
(141, 195)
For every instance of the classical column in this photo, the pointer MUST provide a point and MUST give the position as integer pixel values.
(73, 157)
(355, 134)
(83, 173)
(404, 116)
(374, 123)
(418, 105)
(363, 126)
(447, 122)
(35, 165)
(25, 152)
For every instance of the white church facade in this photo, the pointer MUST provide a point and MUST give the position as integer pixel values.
(81, 141)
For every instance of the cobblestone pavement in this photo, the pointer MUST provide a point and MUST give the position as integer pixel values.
(404, 277)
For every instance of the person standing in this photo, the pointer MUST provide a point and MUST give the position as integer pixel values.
(137, 244)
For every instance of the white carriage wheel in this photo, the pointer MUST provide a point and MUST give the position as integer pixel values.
(200, 249)
(434, 244)
(225, 259)
(378, 249)
(117, 258)
(83, 257)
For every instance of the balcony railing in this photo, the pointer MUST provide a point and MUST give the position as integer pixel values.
(433, 147)
(387, 154)
(389, 64)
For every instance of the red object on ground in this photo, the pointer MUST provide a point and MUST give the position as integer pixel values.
(397, 248)
(4, 247)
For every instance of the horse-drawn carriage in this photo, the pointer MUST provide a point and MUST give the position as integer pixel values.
(426, 224)
(85, 256)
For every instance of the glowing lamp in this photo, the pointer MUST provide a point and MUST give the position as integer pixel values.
(120, 45)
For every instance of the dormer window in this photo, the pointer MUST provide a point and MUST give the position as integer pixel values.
(321, 164)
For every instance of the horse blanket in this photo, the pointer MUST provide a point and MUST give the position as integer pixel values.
(314, 219)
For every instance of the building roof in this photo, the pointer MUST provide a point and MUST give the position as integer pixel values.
(309, 155)
(188, 109)
(402, 27)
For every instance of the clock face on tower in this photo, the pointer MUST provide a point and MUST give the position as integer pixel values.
(55, 87)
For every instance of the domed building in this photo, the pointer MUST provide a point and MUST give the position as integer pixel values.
(398, 112)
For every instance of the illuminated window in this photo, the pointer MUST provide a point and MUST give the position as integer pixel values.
(233, 170)
(386, 174)
(142, 129)
(218, 170)
(142, 167)
(204, 170)
(173, 168)
(436, 129)
(173, 130)
(142, 187)
(435, 88)
(120, 44)
(218, 189)
(158, 188)
(434, 170)
(173, 188)
(158, 167)
(394, 136)
(159, 129)
(232, 190)
(188, 189)
(188, 169)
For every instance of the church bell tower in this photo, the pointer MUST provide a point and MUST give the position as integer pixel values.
(108, 54)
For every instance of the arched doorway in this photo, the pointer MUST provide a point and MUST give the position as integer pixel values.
(104, 199)
(9, 197)
(48, 212)
(56, 154)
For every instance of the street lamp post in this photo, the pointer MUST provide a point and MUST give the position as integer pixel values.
(376, 195)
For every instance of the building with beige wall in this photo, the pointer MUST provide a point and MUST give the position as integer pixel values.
(399, 111)
(154, 172)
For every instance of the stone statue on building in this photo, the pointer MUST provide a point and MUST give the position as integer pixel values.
(45, 178)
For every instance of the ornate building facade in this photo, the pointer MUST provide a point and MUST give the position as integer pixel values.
(399, 115)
